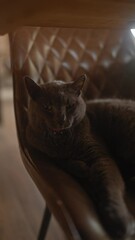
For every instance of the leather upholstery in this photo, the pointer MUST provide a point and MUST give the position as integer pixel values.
(45, 54)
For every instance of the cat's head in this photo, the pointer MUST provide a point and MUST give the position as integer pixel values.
(58, 104)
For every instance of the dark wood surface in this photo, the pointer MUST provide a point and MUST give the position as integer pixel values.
(58, 13)
(21, 205)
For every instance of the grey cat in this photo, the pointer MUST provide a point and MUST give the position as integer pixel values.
(94, 141)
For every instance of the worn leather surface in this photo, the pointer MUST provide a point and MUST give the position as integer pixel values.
(45, 54)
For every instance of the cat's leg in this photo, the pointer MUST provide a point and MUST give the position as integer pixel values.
(107, 189)
(105, 185)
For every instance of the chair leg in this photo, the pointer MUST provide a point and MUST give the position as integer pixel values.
(45, 224)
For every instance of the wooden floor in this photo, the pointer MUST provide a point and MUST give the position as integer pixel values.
(21, 205)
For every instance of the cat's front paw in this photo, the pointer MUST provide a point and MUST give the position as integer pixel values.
(119, 225)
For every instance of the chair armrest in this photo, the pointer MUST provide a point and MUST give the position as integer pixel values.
(65, 198)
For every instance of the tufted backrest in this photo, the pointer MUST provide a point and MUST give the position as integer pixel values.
(45, 54)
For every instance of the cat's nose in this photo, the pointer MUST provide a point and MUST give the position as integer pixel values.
(62, 119)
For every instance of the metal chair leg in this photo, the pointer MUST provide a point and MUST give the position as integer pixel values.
(45, 224)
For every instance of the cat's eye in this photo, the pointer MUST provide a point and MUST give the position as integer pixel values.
(48, 108)
(70, 106)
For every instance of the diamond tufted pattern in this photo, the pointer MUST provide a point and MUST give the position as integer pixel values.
(45, 54)
(53, 53)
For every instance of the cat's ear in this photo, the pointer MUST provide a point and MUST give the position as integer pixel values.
(33, 89)
(78, 84)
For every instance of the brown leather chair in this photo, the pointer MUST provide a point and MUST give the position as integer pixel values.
(107, 57)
